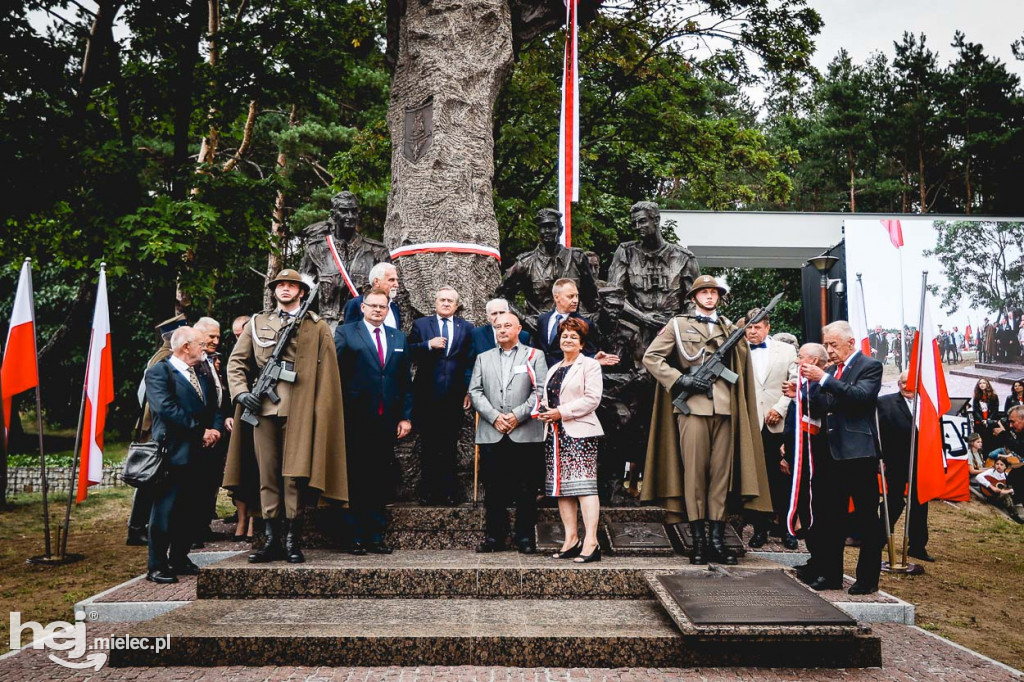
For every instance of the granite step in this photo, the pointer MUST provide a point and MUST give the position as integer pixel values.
(522, 633)
(439, 574)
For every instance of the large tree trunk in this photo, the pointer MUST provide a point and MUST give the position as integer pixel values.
(453, 58)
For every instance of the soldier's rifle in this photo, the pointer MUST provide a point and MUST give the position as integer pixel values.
(275, 370)
(714, 367)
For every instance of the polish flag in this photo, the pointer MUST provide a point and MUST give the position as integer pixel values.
(858, 315)
(20, 371)
(895, 232)
(938, 476)
(569, 127)
(99, 392)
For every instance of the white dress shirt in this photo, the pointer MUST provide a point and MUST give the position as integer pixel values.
(451, 331)
(760, 357)
(373, 337)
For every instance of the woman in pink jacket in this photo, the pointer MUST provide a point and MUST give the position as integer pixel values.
(571, 394)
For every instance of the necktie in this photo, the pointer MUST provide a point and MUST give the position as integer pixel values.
(763, 344)
(554, 329)
(194, 380)
(444, 333)
(380, 348)
(839, 370)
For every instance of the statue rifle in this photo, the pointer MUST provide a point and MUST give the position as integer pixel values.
(714, 367)
(275, 370)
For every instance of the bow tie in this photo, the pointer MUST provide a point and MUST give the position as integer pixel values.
(706, 319)
(763, 344)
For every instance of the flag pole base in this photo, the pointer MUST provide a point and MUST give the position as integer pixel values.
(903, 569)
(54, 560)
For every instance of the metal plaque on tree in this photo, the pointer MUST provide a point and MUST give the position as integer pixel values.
(419, 130)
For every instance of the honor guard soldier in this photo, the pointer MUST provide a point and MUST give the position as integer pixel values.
(692, 451)
(299, 437)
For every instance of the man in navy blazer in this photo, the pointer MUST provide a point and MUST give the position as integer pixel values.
(442, 346)
(846, 402)
(546, 338)
(383, 277)
(484, 338)
(186, 418)
(373, 361)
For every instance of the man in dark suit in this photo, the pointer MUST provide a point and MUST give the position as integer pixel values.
(373, 361)
(845, 402)
(894, 429)
(383, 277)
(186, 418)
(485, 337)
(546, 338)
(442, 348)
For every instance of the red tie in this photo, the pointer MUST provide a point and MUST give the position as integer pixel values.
(380, 356)
(839, 370)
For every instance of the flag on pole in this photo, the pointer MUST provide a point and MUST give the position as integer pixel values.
(569, 128)
(938, 476)
(99, 392)
(895, 232)
(859, 316)
(20, 370)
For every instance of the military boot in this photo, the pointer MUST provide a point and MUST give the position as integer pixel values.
(699, 553)
(272, 549)
(719, 552)
(293, 542)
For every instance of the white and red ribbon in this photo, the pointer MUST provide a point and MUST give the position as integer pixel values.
(535, 408)
(569, 127)
(806, 425)
(445, 247)
(341, 267)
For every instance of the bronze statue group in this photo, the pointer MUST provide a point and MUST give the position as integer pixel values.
(321, 399)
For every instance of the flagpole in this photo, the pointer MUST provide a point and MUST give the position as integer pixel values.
(911, 483)
(905, 350)
(39, 422)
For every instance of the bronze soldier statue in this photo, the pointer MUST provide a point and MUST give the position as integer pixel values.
(654, 274)
(534, 272)
(357, 253)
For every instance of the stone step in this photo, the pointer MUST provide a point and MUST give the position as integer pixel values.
(996, 376)
(524, 633)
(440, 574)
(1001, 367)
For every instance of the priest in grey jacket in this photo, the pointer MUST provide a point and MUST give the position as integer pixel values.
(505, 391)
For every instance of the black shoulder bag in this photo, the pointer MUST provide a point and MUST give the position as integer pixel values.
(146, 463)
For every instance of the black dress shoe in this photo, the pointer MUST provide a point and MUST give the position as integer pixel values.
(570, 553)
(821, 583)
(198, 545)
(858, 588)
(921, 554)
(526, 546)
(589, 558)
(186, 567)
(790, 542)
(379, 548)
(161, 577)
(357, 549)
(489, 545)
(137, 537)
(758, 539)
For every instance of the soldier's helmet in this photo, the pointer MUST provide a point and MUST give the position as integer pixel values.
(706, 282)
(289, 275)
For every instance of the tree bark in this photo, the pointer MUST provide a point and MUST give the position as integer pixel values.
(920, 178)
(455, 56)
(853, 198)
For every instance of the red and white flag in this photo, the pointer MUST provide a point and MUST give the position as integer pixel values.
(938, 476)
(99, 393)
(858, 315)
(895, 232)
(569, 128)
(20, 370)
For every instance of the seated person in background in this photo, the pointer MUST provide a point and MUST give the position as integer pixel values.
(975, 457)
(992, 483)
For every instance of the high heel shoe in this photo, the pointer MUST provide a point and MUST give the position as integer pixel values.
(573, 551)
(589, 558)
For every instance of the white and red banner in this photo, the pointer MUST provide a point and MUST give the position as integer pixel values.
(20, 370)
(569, 128)
(341, 267)
(99, 393)
(939, 477)
(895, 232)
(445, 247)
(858, 314)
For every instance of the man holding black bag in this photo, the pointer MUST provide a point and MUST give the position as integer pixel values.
(186, 418)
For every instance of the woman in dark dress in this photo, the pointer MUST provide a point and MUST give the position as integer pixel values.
(1016, 396)
(985, 412)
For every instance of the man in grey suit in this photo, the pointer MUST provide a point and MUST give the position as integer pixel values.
(505, 391)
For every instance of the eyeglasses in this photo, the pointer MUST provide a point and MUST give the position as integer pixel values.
(375, 306)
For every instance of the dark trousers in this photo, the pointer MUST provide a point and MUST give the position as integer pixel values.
(142, 508)
(1015, 479)
(917, 531)
(370, 444)
(439, 424)
(843, 479)
(365, 524)
(172, 523)
(210, 473)
(778, 482)
(511, 472)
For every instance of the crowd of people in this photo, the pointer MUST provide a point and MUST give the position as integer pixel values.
(996, 447)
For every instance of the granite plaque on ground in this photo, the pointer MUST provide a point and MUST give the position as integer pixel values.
(748, 598)
(732, 538)
(638, 539)
(550, 535)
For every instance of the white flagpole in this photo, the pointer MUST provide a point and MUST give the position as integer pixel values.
(905, 350)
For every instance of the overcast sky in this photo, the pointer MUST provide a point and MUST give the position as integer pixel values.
(865, 26)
